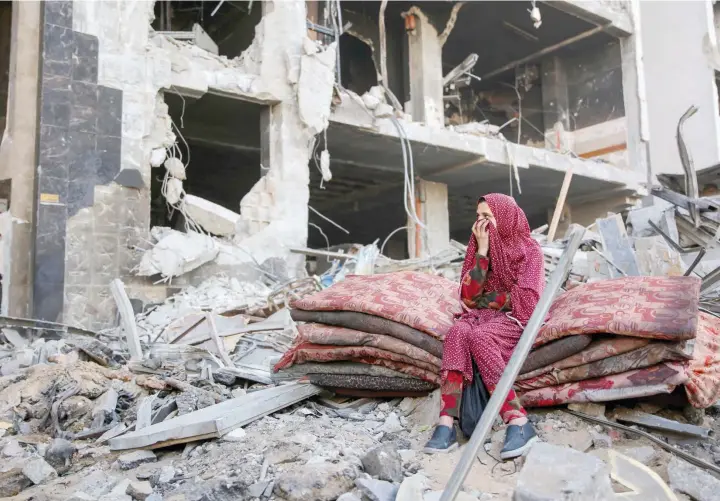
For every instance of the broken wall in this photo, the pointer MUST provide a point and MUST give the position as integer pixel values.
(678, 74)
(103, 75)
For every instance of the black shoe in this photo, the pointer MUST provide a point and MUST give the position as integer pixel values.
(518, 440)
(444, 440)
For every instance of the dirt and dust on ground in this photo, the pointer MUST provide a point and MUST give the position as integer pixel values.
(366, 449)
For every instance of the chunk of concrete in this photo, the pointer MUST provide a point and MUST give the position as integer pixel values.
(139, 490)
(691, 480)
(39, 471)
(349, 496)
(60, 452)
(384, 462)
(377, 490)
(320, 482)
(412, 488)
(178, 253)
(212, 217)
(589, 408)
(644, 454)
(134, 459)
(392, 424)
(81, 496)
(13, 449)
(552, 472)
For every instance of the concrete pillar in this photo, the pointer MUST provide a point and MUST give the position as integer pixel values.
(431, 205)
(556, 109)
(634, 96)
(18, 158)
(426, 73)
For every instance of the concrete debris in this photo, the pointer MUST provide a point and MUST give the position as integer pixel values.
(157, 157)
(552, 472)
(349, 496)
(213, 218)
(693, 481)
(322, 482)
(39, 471)
(175, 168)
(132, 460)
(139, 490)
(177, 253)
(60, 452)
(412, 488)
(235, 435)
(384, 463)
(589, 408)
(392, 424)
(643, 454)
(377, 490)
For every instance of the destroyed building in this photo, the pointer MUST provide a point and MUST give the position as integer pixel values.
(256, 122)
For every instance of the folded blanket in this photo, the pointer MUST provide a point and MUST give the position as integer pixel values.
(346, 368)
(375, 325)
(422, 301)
(597, 350)
(376, 383)
(340, 336)
(307, 352)
(662, 378)
(663, 308)
(703, 385)
(647, 356)
(554, 351)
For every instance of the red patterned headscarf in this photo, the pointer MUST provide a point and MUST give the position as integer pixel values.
(516, 259)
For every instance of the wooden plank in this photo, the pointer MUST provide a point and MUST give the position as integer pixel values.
(660, 423)
(127, 317)
(560, 204)
(617, 246)
(216, 420)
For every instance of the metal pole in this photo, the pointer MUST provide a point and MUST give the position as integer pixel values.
(544, 52)
(513, 368)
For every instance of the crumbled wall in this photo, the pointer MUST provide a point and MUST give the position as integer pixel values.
(96, 233)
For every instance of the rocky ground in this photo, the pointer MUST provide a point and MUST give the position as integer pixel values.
(306, 452)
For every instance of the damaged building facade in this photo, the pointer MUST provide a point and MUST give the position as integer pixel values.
(278, 125)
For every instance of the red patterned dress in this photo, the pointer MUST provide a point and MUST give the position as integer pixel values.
(499, 293)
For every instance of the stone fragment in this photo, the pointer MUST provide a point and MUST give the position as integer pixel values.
(13, 481)
(39, 471)
(600, 440)
(552, 472)
(349, 496)
(589, 408)
(644, 454)
(435, 496)
(237, 435)
(81, 496)
(320, 482)
(139, 490)
(13, 449)
(134, 459)
(392, 424)
(384, 462)
(691, 480)
(412, 488)
(224, 378)
(377, 490)
(257, 489)
(60, 452)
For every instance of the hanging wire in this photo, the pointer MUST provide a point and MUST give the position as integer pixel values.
(382, 247)
(327, 240)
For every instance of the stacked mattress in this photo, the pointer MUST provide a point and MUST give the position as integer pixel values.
(379, 335)
(631, 337)
(625, 338)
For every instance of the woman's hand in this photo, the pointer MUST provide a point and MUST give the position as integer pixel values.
(480, 230)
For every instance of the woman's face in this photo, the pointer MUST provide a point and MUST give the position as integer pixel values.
(484, 213)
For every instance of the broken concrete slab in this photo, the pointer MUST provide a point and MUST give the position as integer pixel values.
(39, 471)
(134, 459)
(216, 420)
(12, 480)
(692, 481)
(211, 217)
(321, 482)
(552, 472)
(660, 423)
(177, 253)
(377, 490)
(384, 462)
